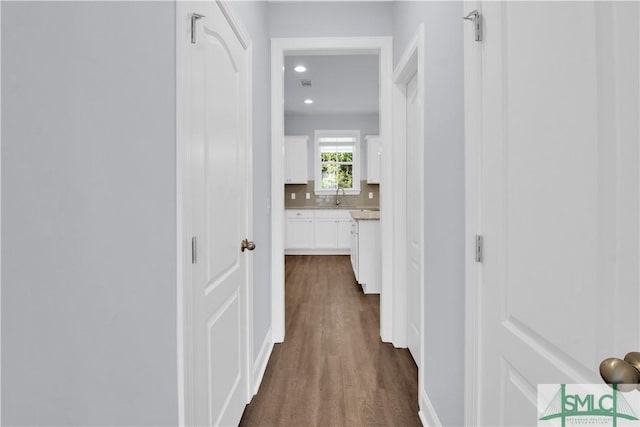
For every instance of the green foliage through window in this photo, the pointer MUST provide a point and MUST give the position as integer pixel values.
(336, 163)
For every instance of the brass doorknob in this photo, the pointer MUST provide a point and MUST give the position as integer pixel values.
(625, 373)
(247, 244)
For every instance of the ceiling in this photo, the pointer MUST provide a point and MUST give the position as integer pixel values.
(339, 84)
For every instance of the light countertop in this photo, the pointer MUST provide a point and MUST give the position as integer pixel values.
(365, 215)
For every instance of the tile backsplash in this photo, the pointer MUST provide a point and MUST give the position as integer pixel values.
(318, 201)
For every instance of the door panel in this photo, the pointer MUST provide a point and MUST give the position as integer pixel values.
(414, 249)
(218, 155)
(224, 366)
(344, 233)
(558, 200)
(355, 249)
(326, 233)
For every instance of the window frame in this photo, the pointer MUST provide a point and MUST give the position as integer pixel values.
(317, 173)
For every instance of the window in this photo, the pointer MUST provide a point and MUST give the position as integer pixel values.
(337, 164)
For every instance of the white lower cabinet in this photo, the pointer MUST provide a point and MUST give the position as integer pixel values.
(366, 254)
(344, 233)
(299, 230)
(318, 231)
(326, 233)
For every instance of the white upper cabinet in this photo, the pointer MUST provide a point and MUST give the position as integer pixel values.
(374, 159)
(295, 159)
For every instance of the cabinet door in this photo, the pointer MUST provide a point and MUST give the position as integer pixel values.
(299, 233)
(374, 158)
(369, 256)
(295, 159)
(326, 233)
(344, 233)
(354, 247)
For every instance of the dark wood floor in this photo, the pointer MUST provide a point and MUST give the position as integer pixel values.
(332, 369)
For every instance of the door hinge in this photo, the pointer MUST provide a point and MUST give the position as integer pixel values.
(479, 249)
(476, 18)
(194, 250)
(194, 18)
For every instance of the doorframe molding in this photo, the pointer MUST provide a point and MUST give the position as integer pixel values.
(183, 223)
(410, 63)
(330, 46)
(473, 75)
(0, 215)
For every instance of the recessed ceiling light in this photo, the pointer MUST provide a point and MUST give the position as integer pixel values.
(300, 68)
(308, 101)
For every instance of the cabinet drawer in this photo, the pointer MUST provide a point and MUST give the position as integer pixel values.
(299, 213)
(333, 214)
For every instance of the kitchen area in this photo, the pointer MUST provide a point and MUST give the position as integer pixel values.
(332, 161)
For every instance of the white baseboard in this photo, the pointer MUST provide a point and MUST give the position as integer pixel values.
(427, 414)
(423, 420)
(260, 364)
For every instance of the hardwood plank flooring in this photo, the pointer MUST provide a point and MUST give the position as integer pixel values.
(332, 369)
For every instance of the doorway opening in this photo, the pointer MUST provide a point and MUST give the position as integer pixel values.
(332, 158)
(332, 175)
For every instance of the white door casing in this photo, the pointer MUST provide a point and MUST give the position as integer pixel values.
(414, 219)
(215, 157)
(408, 137)
(553, 186)
(330, 46)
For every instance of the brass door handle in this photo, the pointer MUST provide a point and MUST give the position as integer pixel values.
(247, 244)
(624, 372)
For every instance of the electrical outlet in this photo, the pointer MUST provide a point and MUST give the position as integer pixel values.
(371, 195)
(308, 196)
(293, 196)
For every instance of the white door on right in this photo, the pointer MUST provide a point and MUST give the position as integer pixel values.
(552, 106)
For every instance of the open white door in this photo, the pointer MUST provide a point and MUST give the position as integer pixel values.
(552, 140)
(216, 120)
(414, 218)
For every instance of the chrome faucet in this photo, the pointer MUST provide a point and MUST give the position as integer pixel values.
(337, 194)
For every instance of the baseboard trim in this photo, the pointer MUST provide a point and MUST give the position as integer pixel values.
(423, 420)
(427, 413)
(260, 364)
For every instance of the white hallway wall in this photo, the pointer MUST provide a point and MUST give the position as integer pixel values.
(89, 208)
(330, 19)
(88, 214)
(444, 197)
